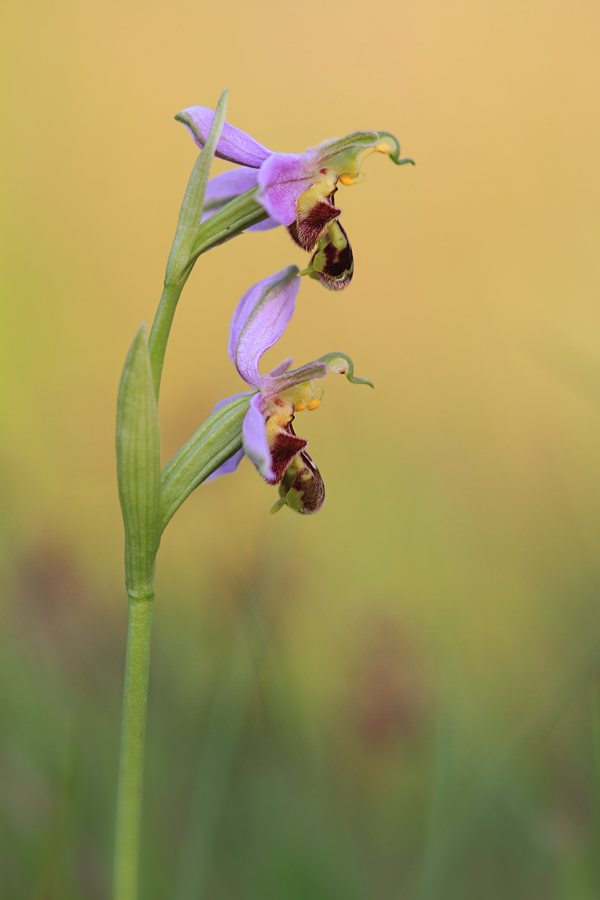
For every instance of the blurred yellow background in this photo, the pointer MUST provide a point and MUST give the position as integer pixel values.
(438, 620)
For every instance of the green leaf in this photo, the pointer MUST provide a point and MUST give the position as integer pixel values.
(218, 438)
(138, 465)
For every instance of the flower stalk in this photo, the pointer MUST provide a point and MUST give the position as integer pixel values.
(133, 732)
(266, 190)
(139, 477)
(138, 456)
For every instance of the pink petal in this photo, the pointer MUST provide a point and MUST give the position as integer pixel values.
(283, 177)
(261, 317)
(234, 145)
(254, 436)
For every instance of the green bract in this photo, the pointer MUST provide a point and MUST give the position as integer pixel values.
(218, 438)
(138, 465)
(190, 214)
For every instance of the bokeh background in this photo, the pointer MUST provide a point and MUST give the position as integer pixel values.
(396, 699)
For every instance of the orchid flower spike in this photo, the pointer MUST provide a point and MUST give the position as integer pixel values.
(269, 439)
(296, 189)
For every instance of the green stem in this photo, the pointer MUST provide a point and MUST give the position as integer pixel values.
(131, 766)
(595, 716)
(161, 328)
(235, 217)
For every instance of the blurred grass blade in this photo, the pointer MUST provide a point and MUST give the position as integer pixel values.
(431, 873)
(218, 438)
(211, 784)
(138, 464)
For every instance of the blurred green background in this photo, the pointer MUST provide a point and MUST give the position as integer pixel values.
(396, 699)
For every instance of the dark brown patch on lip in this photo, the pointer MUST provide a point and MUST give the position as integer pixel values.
(285, 445)
(311, 226)
(338, 270)
(293, 232)
(304, 479)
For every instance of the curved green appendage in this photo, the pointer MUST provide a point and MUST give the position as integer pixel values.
(277, 506)
(389, 138)
(337, 363)
(218, 438)
(340, 364)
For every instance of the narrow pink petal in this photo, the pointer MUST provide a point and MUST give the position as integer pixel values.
(231, 464)
(229, 185)
(224, 187)
(265, 225)
(254, 436)
(228, 467)
(282, 367)
(275, 383)
(234, 145)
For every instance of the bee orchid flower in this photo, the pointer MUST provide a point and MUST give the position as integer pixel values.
(268, 436)
(295, 189)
